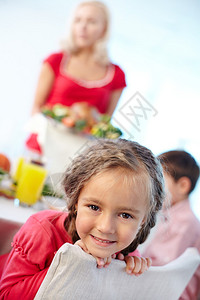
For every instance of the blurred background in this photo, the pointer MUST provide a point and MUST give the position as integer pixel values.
(155, 42)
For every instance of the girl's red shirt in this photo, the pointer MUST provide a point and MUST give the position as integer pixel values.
(34, 247)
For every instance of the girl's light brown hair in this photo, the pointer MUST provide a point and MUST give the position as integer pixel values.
(105, 155)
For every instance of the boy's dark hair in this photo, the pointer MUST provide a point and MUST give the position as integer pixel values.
(179, 163)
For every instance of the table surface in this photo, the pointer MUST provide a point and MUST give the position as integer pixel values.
(10, 211)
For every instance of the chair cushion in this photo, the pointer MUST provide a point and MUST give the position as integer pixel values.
(73, 275)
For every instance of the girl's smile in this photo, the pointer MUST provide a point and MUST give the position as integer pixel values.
(110, 210)
(102, 242)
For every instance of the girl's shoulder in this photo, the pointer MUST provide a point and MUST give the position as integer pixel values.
(46, 218)
(46, 221)
(42, 229)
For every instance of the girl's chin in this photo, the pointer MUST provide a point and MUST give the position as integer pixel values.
(100, 253)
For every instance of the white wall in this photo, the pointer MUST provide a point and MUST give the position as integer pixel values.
(155, 42)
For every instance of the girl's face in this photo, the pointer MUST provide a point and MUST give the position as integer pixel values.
(110, 211)
(88, 26)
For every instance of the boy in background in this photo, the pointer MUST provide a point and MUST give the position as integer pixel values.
(180, 228)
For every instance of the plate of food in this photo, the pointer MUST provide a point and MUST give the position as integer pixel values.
(82, 118)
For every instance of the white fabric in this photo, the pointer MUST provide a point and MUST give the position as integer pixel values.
(38, 124)
(61, 145)
(73, 275)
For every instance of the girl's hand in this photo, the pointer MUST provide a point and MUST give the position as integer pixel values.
(101, 262)
(135, 265)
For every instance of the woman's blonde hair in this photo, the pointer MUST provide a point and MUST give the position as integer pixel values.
(108, 155)
(100, 47)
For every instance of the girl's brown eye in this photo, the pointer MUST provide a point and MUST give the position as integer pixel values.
(94, 207)
(126, 216)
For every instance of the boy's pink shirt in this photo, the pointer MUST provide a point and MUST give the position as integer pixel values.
(179, 231)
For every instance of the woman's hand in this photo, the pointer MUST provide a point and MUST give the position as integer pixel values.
(101, 262)
(135, 265)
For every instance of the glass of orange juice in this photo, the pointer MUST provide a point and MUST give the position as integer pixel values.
(18, 169)
(30, 183)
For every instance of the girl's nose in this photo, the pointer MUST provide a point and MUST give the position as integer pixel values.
(106, 224)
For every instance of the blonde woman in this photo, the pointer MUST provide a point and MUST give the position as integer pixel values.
(82, 71)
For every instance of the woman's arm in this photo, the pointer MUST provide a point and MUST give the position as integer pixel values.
(44, 87)
(113, 101)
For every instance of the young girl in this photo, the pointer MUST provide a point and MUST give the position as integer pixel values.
(114, 190)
